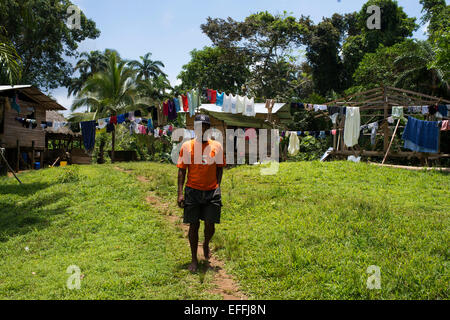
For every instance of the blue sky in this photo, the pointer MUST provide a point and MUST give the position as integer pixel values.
(170, 29)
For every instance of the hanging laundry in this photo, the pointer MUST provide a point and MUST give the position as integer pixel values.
(191, 104)
(240, 105)
(352, 126)
(421, 136)
(208, 93)
(334, 132)
(180, 101)
(177, 104)
(294, 144)
(445, 125)
(249, 107)
(322, 135)
(172, 111)
(113, 120)
(131, 116)
(334, 117)
(88, 132)
(121, 118)
(102, 123)
(373, 134)
(220, 98)
(150, 124)
(15, 104)
(442, 109)
(166, 108)
(233, 104)
(184, 100)
(226, 107)
(110, 127)
(333, 110)
(425, 110)
(213, 96)
(432, 110)
(142, 129)
(397, 112)
(196, 98)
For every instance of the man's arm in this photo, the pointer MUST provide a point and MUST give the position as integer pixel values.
(181, 179)
(219, 174)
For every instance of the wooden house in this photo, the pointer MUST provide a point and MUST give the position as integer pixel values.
(21, 133)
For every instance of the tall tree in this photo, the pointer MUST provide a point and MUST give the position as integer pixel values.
(38, 31)
(148, 68)
(110, 92)
(223, 69)
(267, 40)
(396, 26)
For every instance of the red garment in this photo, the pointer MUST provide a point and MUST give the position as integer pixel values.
(166, 108)
(208, 93)
(185, 103)
(213, 96)
(113, 120)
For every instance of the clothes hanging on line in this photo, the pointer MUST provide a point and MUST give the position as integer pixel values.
(88, 132)
(352, 127)
(421, 136)
(294, 144)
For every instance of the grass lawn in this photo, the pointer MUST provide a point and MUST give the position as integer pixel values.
(312, 230)
(309, 232)
(96, 218)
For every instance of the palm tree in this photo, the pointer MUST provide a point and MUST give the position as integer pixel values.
(10, 61)
(415, 64)
(110, 92)
(89, 64)
(148, 69)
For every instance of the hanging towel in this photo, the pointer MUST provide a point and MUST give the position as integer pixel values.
(233, 104)
(397, 112)
(102, 123)
(249, 107)
(177, 104)
(443, 110)
(240, 105)
(226, 107)
(352, 126)
(190, 97)
(373, 135)
(294, 144)
(180, 101)
(213, 96)
(88, 132)
(121, 118)
(445, 126)
(166, 108)
(150, 124)
(172, 111)
(421, 136)
(219, 100)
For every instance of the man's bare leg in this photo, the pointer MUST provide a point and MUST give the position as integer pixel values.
(193, 241)
(210, 229)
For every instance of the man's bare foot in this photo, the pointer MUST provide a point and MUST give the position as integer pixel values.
(206, 251)
(193, 267)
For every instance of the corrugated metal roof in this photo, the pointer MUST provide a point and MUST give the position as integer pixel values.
(36, 95)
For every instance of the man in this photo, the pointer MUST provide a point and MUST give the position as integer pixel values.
(204, 161)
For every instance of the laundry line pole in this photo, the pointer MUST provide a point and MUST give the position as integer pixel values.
(392, 140)
(2, 150)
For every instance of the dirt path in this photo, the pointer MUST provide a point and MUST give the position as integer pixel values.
(223, 282)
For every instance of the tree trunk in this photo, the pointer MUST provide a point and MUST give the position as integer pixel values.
(101, 152)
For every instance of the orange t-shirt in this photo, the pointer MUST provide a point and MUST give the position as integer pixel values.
(201, 167)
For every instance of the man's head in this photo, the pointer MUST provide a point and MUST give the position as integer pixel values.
(203, 120)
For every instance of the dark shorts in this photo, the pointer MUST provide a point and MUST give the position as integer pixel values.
(202, 205)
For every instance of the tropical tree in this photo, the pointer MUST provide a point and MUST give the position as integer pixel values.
(89, 64)
(10, 61)
(41, 36)
(147, 68)
(415, 65)
(110, 92)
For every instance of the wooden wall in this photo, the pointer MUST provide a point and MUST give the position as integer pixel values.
(13, 129)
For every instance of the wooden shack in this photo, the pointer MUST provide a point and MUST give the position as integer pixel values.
(24, 140)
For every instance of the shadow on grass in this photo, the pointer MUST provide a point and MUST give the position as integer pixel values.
(23, 189)
(23, 217)
(203, 268)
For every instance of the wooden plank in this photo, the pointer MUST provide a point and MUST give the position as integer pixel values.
(419, 94)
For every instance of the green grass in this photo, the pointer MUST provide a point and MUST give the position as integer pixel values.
(96, 218)
(309, 232)
(312, 230)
